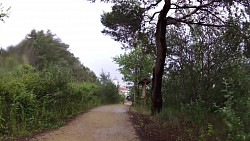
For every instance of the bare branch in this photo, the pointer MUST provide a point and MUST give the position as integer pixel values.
(154, 15)
(182, 7)
(213, 15)
(153, 5)
(203, 24)
(198, 8)
(171, 20)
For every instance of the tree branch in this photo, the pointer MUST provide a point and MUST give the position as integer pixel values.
(197, 8)
(182, 7)
(154, 15)
(152, 5)
(213, 15)
(171, 20)
(203, 24)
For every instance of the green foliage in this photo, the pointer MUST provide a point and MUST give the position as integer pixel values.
(195, 112)
(207, 79)
(42, 84)
(199, 60)
(235, 121)
(207, 66)
(31, 100)
(123, 22)
(134, 59)
(108, 89)
(134, 66)
(43, 50)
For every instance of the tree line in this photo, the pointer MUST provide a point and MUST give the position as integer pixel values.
(42, 84)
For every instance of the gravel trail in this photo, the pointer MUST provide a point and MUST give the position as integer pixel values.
(104, 123)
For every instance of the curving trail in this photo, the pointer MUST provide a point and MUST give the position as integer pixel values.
(105, 123)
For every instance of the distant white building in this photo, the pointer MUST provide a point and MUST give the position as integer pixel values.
(116, 82)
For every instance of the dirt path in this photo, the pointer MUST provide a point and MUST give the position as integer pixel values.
(105, 123)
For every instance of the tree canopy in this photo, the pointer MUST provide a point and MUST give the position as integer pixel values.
(201, 57)
(187, 15)
(42, 50)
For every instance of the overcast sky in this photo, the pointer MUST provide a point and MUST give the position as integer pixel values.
(76, 22)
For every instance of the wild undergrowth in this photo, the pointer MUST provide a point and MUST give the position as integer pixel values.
(32, 100)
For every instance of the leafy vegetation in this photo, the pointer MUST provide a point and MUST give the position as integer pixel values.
(200, 83)
(201, 57)
(139, 66)
(109, 90)
(42, 84)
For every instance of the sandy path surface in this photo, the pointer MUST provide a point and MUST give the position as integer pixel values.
(105, 123)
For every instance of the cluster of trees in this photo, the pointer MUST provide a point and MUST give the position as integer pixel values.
(42, 50)
(135, 66)
(42, 84)
(200, 52)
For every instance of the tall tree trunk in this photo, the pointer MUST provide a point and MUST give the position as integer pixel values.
(161, 50)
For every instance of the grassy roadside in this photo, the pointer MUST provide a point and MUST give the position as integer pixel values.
(157, 128)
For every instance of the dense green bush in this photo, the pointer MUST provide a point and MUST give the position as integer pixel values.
(110, 93)
(53, 87)
(222, 103)
(108, 89)
(32, 100)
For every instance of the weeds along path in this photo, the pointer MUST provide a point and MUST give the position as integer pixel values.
(105, 123)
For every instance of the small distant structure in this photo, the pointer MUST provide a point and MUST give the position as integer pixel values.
(144, 82)
(123, 91)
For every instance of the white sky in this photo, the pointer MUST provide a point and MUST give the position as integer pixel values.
(76, 22)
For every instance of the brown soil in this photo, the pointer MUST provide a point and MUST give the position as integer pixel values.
(105, 123)
(149, 130)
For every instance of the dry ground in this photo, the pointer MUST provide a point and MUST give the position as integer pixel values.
(105, 123)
